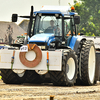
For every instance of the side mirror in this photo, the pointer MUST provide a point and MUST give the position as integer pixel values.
(14, 17)
(76, 19)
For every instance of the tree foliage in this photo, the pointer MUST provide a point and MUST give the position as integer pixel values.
(89, 10)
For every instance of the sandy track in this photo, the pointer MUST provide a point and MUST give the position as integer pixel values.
(43, 92)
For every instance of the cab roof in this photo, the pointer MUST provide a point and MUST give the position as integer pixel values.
(63, 10)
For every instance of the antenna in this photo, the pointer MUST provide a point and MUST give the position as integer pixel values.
(59, 2)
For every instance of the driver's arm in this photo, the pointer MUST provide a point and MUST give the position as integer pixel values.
(69, 33)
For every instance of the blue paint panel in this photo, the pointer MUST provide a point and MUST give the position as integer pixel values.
(49, 12)
(71, 13)
(4, 47)
(55, 12)
(1, 47)
(73, 41)
(51, 40)
(46, 38)
(41, 37)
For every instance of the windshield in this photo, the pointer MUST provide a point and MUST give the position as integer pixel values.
(48, 24)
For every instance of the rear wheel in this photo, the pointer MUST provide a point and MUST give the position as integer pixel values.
(9, 77)
(69, 70)
(88, 63)
(98, 66)
(33, 77)
(29, 76)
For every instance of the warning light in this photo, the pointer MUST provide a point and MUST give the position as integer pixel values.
(72, 9)
(21, 34)
(78, 33)
(25, 33)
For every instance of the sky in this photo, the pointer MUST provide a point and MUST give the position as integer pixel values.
(22, 7)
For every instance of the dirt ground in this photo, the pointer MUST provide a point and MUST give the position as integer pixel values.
(45, 91)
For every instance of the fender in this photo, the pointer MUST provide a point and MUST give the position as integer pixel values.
(79, 39)
(72, 41)
(75, 41)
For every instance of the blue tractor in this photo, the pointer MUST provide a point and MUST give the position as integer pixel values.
(54, 29)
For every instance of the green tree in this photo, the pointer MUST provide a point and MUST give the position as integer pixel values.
(89, 10)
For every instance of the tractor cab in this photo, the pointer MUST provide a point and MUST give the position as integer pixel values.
(52, 27)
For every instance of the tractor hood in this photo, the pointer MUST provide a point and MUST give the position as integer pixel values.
(44, 38)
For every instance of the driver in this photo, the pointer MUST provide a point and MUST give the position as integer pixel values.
(52, 28)
(52, 25)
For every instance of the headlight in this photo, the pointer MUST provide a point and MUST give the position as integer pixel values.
(52, 44)
(42, 47)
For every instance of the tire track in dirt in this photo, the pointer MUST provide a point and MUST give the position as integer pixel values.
(43, 92)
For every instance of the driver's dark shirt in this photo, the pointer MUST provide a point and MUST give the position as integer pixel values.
(50, 29)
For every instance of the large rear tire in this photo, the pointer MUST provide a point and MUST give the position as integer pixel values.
(88, 63)
(9, 77)
(98, 65)
(33, 77)
(68, 74)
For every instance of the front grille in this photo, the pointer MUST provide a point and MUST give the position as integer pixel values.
(39, 43)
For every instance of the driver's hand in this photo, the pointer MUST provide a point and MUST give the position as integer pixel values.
(58, 30)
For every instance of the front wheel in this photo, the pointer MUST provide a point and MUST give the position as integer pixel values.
(69, 70)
